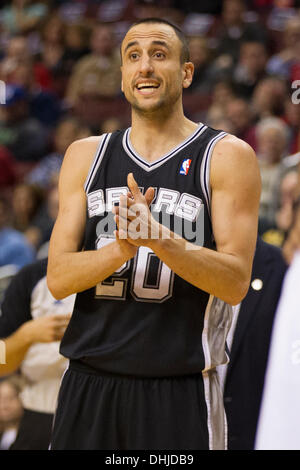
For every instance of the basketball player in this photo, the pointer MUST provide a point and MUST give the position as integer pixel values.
(152, 313)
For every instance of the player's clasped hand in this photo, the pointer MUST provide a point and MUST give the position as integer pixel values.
(47, 329)
(133, 217)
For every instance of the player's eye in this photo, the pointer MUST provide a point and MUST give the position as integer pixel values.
(159, 55)
(133, 56)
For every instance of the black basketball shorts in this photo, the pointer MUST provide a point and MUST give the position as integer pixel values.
(112, 412)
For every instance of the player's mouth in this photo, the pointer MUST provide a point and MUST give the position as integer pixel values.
(147, 87)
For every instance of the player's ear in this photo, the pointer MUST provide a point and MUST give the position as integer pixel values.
(188, 72)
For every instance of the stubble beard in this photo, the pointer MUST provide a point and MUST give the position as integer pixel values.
(159, 110)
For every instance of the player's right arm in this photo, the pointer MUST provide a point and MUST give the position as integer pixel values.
(71, 270)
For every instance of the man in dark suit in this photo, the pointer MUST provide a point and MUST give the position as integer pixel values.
(250, 346)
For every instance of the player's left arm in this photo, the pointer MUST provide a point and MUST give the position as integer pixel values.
(235, 194)
(235, 188)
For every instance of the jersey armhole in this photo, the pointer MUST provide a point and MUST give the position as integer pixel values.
(96, 161)
(205, 169)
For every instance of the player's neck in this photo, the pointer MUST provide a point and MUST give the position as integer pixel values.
(153, 137)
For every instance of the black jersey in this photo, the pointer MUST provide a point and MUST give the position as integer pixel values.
(144, 320)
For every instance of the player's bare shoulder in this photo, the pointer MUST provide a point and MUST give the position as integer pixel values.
(232, 148)
(233, 157)
(79, 157)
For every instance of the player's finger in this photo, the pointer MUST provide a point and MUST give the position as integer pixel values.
(121, 234)
(133, 186)
(129, 213)
(117, 220)
(122, 225)
(123, 201)
(122, 212)
(130, 201)
(149, 195)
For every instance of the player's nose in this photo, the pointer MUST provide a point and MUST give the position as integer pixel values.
(146, 66)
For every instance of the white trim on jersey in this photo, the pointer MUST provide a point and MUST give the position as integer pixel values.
(104, 139)
(205, 375)
(217, 320)
(205, 168)
(152, 166)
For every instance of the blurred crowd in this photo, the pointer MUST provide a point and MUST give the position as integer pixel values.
(60, 81)
(60, 74)
(60, 68)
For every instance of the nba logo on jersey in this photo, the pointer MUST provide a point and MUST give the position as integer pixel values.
(185, 166)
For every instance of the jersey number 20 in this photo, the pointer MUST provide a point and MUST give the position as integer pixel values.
(151, 279)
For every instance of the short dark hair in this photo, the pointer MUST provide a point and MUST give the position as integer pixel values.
(185, 53)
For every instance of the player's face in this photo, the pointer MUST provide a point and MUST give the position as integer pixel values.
(152, 73)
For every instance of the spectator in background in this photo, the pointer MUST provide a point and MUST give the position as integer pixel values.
(22, 134)
(250, 68)
(32, 323)
(67, 130)
(200, 55)
(240, 114)
(268, 97)
(23, 16)
(98, 73)
(41, 227)
(14, 248)
(289, 192)
(51, 54)
(280, 13)
(222, 93)
(248, 342)
(292, 119)
(272, 141)
(197, 97)
(27, 200)
(292, 242)
(8, 174)
(279, 414)
(76, 45)
(43, 104)
(17, 51)
(288, 196)
(110, 125)
(233, 31)
(11, 410)
(222, 123)
(286, 64)
(17, 48)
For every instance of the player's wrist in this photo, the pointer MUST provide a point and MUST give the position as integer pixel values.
(158, 238)
(124, 250)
